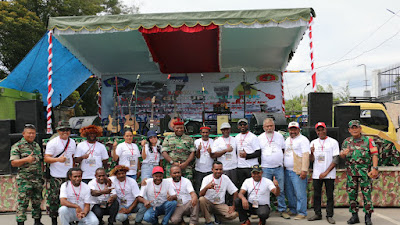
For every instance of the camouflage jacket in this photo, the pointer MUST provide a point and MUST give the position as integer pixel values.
(359, 159)
(23, 149)
(178, 148)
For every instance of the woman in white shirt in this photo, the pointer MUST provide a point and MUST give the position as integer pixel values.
(151, 154)
(127, 154)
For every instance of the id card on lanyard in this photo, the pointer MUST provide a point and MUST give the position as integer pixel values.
(203, 156)
(132, 159)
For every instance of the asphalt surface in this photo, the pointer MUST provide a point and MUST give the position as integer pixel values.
(381, 216)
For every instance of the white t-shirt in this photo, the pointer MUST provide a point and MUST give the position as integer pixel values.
(324, 152)
(221, 185)
(76, 195)
(298, 145)
(97, 153)
(128, 156)
(271, 149)
(127, 191)
(204, 163)
(94, 185)
(157, 194)
(152, 158)
(183, 189)
(229, 159)
(258, 191)
(249, 143)
(54, 148)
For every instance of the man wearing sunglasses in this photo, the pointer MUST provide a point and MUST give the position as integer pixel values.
(59, 154)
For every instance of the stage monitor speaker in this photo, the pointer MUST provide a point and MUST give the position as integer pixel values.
(320, 108)
(343, 115)
(6, 127)
(257, 119)
(30, 111)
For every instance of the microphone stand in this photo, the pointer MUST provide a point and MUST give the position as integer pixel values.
(244, 93)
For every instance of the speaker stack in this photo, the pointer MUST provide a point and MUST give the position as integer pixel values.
(6, 127)
(320, 108)
(343, 115)
(32, 112)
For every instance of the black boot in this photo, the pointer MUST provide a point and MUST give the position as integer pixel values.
(37, 222)
(354, 219)
(368, 220)
(20, 223)
(54, 221)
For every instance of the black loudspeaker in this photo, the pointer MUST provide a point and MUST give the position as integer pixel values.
(6, 127)
(30, 111)
(320, 108)
(343, 115)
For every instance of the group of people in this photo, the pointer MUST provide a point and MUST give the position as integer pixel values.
(222, 178)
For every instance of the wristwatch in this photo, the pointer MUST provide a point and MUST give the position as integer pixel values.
(171, 162)
(375, 167)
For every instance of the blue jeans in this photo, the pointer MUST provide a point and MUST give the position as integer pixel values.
(296, 192)
(146, 169)
(68, 215)
(139, 209)
(167, 208)
(279, 174)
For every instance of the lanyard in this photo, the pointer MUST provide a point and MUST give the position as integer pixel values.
(242, 140)
(130, 149)
(91, 151)
(259, 183)
(205, 146)
(322, 145)
(229, 139)
(178, 190)
(122, 190)
(269, 141)
(76, 196)
(100, 188)
(154, 152)
(220, 182)
(155, 192)
(291, 142)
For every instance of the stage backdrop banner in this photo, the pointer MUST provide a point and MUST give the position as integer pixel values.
(182, 93)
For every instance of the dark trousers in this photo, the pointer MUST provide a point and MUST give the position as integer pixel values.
(329, 187)
(243, 174)
(232, 174)
(109, 210)
(198, 178)
(262, 211)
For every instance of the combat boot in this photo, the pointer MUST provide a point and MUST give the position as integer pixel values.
(368, 219)
(354, 219)
(37, 222)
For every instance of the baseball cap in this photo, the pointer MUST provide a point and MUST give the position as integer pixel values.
(225, 126)
(151, 133)
(320, 124)
(158, 169)
(242, 121)
(354, 123)
(256, 168)
(293, 124)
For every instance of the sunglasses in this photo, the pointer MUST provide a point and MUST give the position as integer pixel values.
(28, 125)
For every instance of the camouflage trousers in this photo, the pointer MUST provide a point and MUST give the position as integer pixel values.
(53, 196)
(365, 184)
(187, 172)
(29, 190)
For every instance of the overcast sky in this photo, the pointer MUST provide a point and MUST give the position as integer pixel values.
(366, 26)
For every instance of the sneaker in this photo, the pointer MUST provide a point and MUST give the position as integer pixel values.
(330, 220)
(292, 213)
(315, 217)
(299, 217)
(247, 222)
(284, 215)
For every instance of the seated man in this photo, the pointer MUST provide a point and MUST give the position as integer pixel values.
(187, 203)
(75, 200)
(212, 195)
(103, 197)
(127, 191)
(258, 189)
(159, 197)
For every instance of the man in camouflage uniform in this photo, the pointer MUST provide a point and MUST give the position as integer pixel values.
(360, 152)
(178, 149)
(26, 155)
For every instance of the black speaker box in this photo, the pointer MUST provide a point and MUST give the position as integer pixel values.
(320, 108)
(6, 127)
(343, 115)
(32, 112)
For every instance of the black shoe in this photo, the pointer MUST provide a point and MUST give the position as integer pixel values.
(37, 222)
(20, 223)
(368, 219)
(315, 217)
(354, 219)
(54, 221)
(138, 223)
(126, 222)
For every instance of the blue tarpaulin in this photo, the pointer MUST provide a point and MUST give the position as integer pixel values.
(31, 73)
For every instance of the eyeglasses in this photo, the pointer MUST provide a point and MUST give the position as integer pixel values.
(28, 125)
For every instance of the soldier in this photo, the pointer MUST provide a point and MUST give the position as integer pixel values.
(59, 154)
(358, 150)
(178, 149)
(26, 155)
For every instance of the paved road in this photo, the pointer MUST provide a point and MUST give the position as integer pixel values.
(381, 216)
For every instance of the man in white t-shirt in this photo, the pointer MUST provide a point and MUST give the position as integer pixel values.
(91, 154)
(272, 145)
(59, 154)
(296, 161)
(203, 157)
(187, 201)
(258, 193)
(212, 195)
(325, 154)
(103, 197)
(128, 192)
(75, 200)
(249, 150)
(159, 197)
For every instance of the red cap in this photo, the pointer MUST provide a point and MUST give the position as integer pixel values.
(178, 122)
(158, 169)
(201, 128)
(320, 124)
